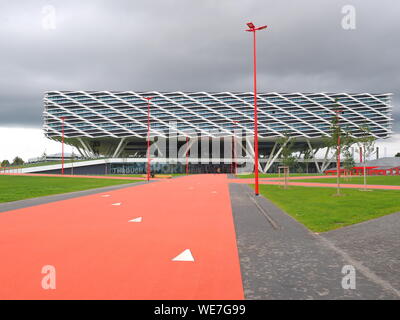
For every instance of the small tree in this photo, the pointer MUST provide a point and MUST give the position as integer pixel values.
(348, 162)
(366, 142)
(5, 163)
(397, 155)
(17, 161)
(339, 139)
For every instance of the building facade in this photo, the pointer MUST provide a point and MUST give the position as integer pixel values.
(114, 124)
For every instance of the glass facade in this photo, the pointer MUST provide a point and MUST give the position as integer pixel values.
(96, 114)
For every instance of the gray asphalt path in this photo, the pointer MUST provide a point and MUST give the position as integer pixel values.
(281, 259)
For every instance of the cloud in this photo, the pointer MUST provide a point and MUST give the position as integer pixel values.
(193, 45)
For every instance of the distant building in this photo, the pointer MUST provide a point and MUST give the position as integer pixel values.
(55, 157)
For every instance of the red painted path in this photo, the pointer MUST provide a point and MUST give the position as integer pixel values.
(98, 254)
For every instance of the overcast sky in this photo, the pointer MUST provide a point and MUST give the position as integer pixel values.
(188, 45)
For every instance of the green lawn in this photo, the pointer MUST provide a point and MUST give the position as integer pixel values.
(275, 175)
(14, 188)
(320, 211)
(375, 180)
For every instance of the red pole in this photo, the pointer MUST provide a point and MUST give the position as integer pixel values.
(187, 157)
(255, 118)
(234, 151)
(361, 156)
(62, 142)
(253, 29)
(148, 137)
(338, 159)
(233, 146)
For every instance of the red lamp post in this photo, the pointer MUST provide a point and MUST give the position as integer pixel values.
(187, 156)
(337, 111)
(148, 137)
(234, 164)
(253, 29)
(62, 143)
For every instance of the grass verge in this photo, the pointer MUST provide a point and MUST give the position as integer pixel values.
(320, 211)
(14, 188)
(373, 180)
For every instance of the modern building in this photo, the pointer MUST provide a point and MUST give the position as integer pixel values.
(113, 124)
(55, 157)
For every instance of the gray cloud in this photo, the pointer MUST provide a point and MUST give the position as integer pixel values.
(193, 45)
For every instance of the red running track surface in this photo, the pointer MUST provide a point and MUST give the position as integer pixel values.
(98, 254)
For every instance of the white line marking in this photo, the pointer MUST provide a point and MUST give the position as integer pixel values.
(116, 204)
(184, 256)
(105, 195)
(139, 219)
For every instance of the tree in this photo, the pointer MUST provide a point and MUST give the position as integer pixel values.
(287, 158)
(397, 155)
(366, 142)
(5, 163)
(339, 139)
(348, 162)
(17, 161)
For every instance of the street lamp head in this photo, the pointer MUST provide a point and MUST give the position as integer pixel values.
(263, 27)
(148, 98)
(250, 25)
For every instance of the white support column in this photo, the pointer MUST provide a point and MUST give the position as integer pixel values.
(80, 152)
(250, 146)
(313, 155)
(118, 150)
(328, 162)
(270, 156)
(276, 155)
(88, 152)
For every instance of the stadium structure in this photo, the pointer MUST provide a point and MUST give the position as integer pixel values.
(111, 126)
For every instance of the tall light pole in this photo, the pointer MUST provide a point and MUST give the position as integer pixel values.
(148, 137)
(254, 29)
(187, 155)
(338, 111)
(62, 143)
(234, 164)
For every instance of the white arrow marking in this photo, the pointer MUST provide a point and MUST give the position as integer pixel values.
(184, 256)
(105, 195)
(139, 219)
(116, 204)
